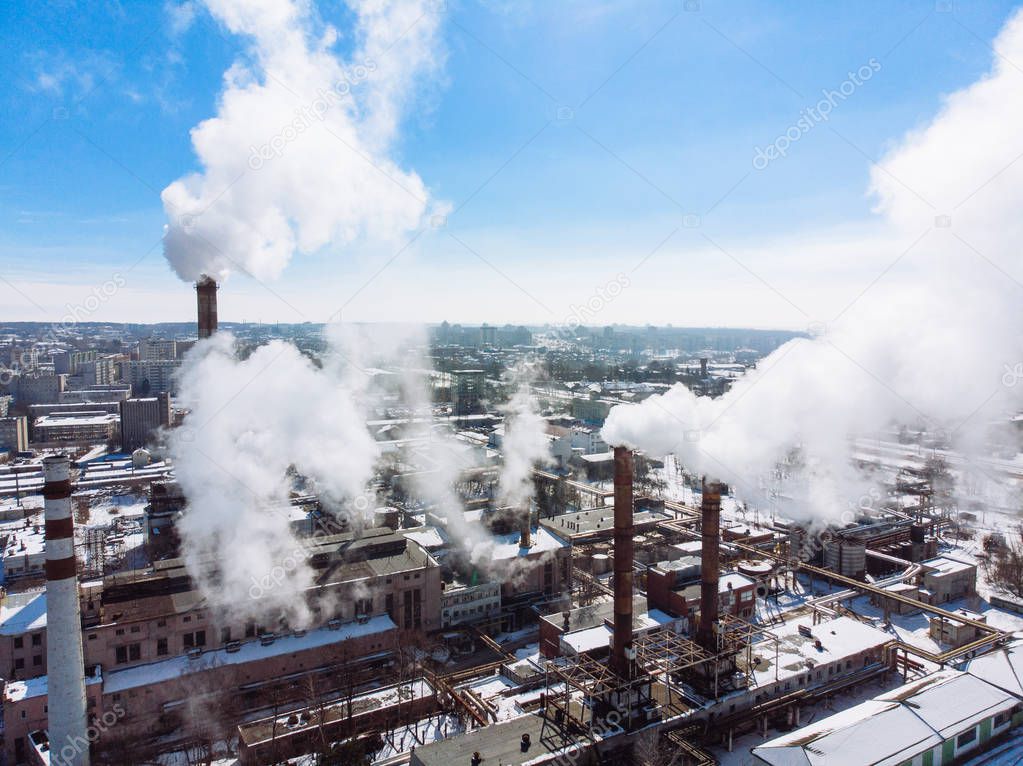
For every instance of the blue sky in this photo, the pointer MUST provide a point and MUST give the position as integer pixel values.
(582, 134)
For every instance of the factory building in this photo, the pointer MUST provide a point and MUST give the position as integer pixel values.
(939, 720)
(149, 642)
(141, 418)
(87, 427)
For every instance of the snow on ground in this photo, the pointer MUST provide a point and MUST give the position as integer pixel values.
(418, 734)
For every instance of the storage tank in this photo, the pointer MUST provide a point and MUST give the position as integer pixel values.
(600, 563)
(846, 557)
(757, 570)
(387, 517)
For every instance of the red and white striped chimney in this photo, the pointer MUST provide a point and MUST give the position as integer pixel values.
(67, 716)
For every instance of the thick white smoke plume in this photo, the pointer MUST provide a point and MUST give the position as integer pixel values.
(932, 343)
(299, 155)
(525, 444)
(252, 422)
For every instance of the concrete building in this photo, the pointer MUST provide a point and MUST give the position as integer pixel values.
(88, 427)
(158, 348)
(149, 641)
(98, 372)
(946, 579)
(153, 376)
(68, 362)
(590, 409)
(956, 633)
(674, 587)
(462, 603)
(468, 388)
(97, 395)
(14, 433)
(141, 417)
(38, 388)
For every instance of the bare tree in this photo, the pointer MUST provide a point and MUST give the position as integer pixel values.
(1007, 571)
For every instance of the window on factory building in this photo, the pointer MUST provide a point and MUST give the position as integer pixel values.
(966, 737)
(18, 642)
(37, 660)
(19, 663)
(1002, 718)
(225, 635)
(161, 647)
(37, 639)
(192, 640)
(136, 628)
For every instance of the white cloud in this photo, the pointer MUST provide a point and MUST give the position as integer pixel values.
(299, 155)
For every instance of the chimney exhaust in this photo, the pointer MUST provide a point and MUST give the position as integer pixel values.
(206, 297)
(67, 717)
(710, 514)
(526, 529)
(623, 557)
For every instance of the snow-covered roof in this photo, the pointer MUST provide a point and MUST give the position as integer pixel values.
(1003, 668)
(507, 546)
(840, 638)
(897, 725)
(250, 651)
(893, 731)
(22, 613)
(930, 699)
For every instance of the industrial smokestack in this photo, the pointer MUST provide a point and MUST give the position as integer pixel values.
(206, 297)
(525, 529)
(66, 668)
(710, 513)
(621, 663)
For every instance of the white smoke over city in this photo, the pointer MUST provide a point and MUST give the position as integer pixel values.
(300, 155)
(247, 432)
(929, 344)
(525, 444)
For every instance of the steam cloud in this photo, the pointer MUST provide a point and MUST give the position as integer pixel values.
(930, 344)
(298, 157)
(524, 445)
(252, 423)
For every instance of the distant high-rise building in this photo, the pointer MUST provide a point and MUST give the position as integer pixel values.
(141, 417)
(68, 362)
(152, 376)
(14, 433)
(158, 348)
(96, 372)
(38, 389)
(467, 391)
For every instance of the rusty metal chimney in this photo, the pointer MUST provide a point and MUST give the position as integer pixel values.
(206, 296)
(621, 663)
(710, 567)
